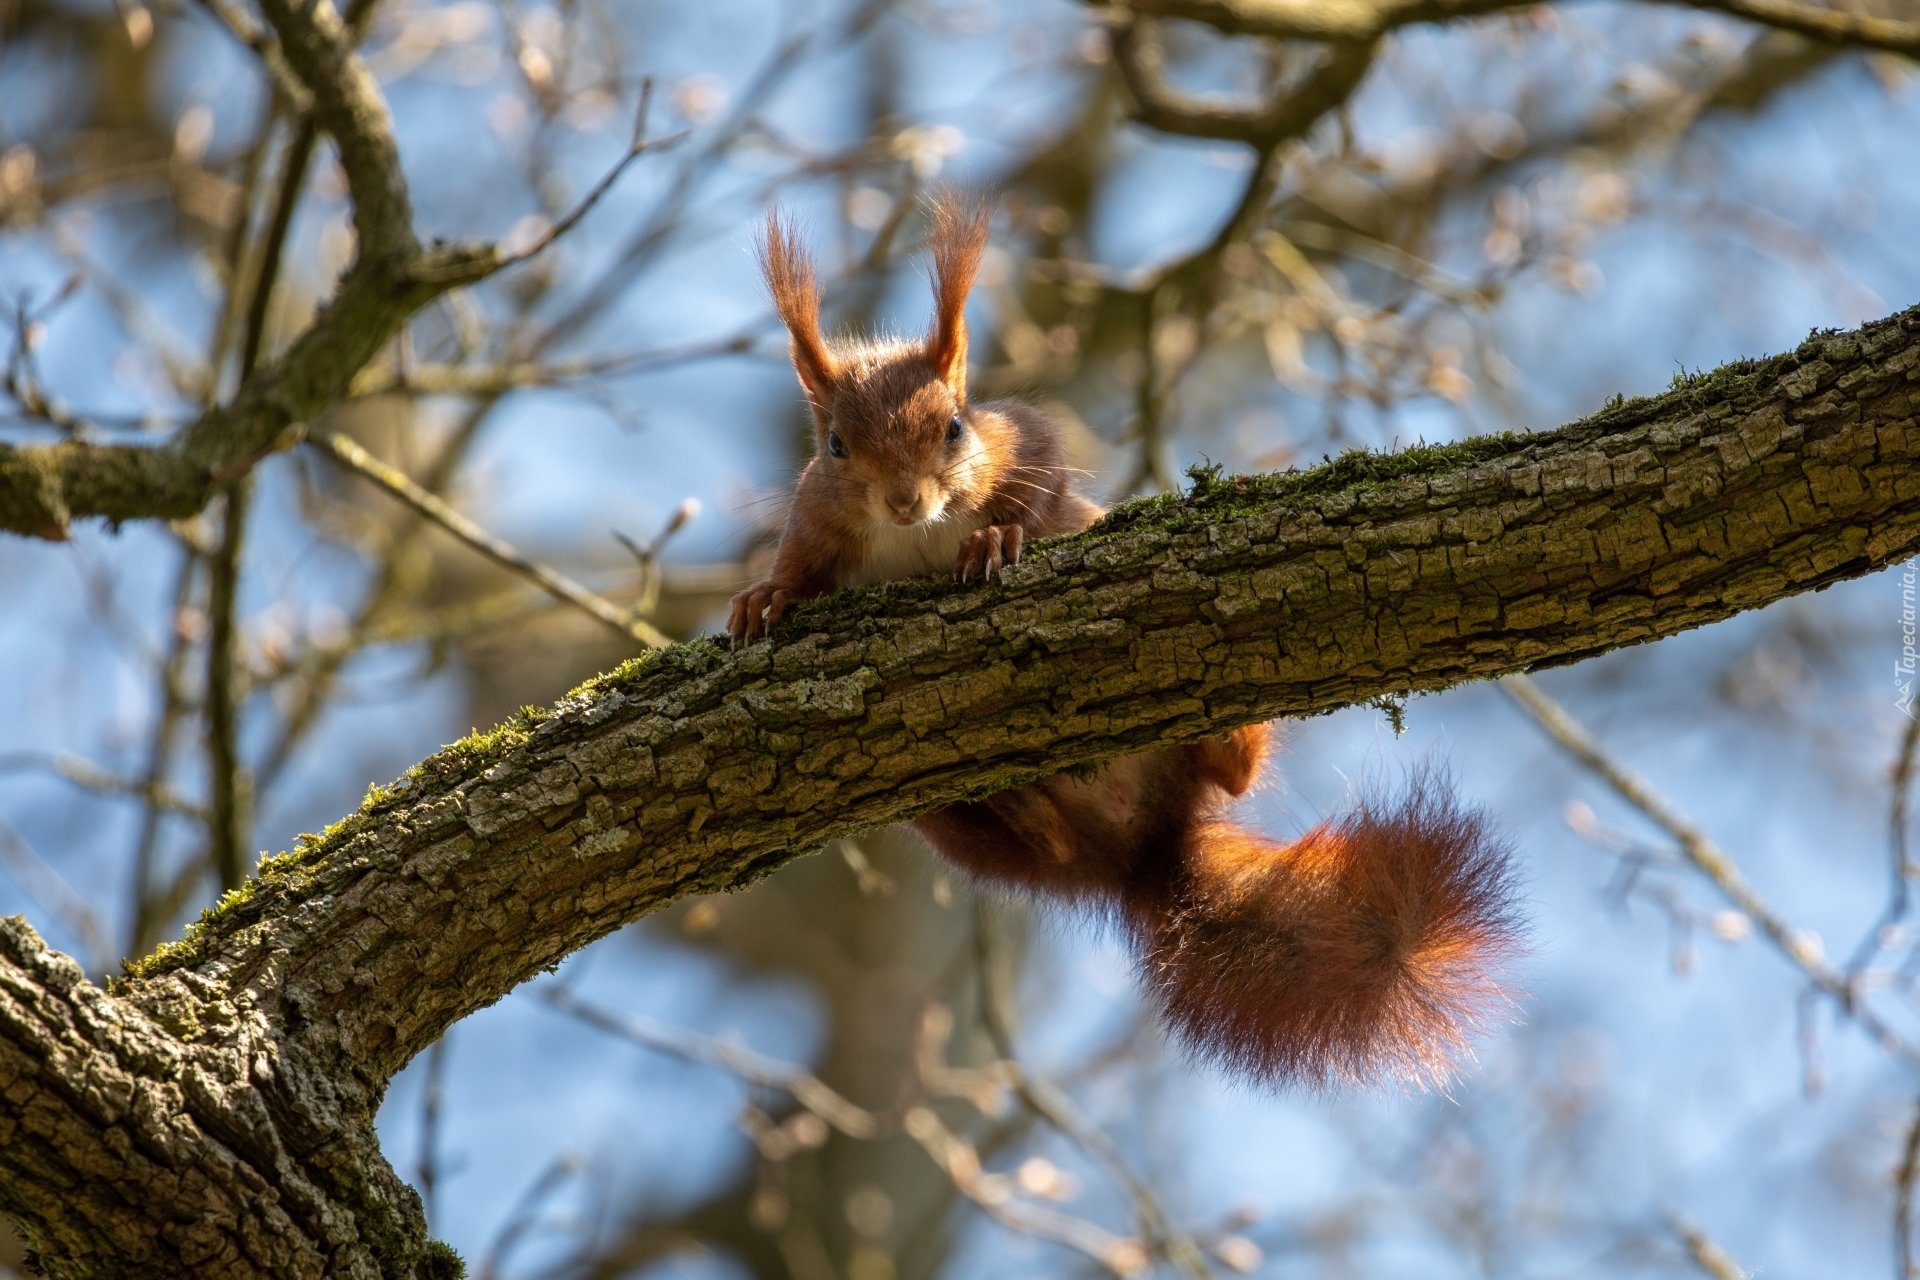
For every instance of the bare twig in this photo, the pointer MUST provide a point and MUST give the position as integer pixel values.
(994, 1193)
(1054, 1107)
(637, 147)
(1287, 115)
(1365, 20)
(390, 586)
(433, 1092)
(1706, 1253)
(18, 379)
(501, 376)
(148, 920)
(152, 792)
(665, 220)
(525, 1213)
(261, 42)
(648, 556)
(1899, 898)
(1828, 26)
(806, 1088)
(44, 884)
(273, 239)
(1903, 1184)
(354, 458)
(228, 823)
(1800, 948)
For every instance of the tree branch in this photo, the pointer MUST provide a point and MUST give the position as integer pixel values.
(347, 105)
(423, 501)
(1290, 114)
(1800, 948)
(1821, 25)
(44, 488)
(1364, 21)
(242, 1159)
(697, 769)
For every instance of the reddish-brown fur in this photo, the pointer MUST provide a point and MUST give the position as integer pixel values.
(959, 238)
(796, 296)
(1364, 949)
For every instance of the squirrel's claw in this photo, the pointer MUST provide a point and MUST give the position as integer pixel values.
(986, 550)
(757, 609)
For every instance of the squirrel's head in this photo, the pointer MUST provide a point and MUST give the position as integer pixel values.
(893, 433)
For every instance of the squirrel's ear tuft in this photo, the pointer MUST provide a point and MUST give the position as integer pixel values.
(796, 296)
(959, 238)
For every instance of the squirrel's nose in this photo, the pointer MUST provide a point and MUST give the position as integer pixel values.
(903, 507)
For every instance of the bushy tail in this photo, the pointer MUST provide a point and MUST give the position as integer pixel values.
(1369, 948)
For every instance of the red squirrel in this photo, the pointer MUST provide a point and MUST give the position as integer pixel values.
(1365, 949)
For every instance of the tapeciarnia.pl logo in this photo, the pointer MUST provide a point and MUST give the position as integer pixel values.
(1903, 668)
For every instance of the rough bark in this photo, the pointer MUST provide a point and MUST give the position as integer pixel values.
(183, 1135)
(214, 1112)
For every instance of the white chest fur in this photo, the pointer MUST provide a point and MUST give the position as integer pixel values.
(924, 550)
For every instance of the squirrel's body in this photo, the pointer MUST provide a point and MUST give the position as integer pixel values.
(1364, 948)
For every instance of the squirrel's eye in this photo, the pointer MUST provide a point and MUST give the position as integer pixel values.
(834, 446)
(954, 429)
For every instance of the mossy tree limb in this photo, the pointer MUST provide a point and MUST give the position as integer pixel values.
(285, 1012)
(44, 488)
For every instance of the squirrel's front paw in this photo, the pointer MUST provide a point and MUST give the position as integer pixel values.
(985, 550)
(756, 609)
